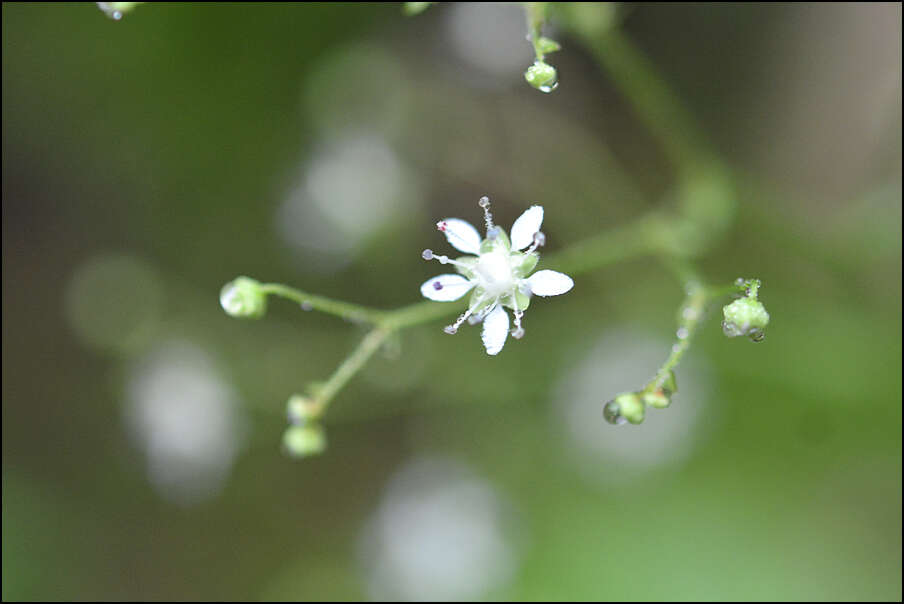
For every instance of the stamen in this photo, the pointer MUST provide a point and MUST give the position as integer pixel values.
(450, 329)
(485, 204)
(518, 332)
(429, 255)
(539, 240)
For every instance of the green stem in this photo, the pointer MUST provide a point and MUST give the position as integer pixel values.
(698, 297)
(325, 393)
(345, 310)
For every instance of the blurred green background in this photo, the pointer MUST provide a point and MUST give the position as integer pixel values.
(149, 161)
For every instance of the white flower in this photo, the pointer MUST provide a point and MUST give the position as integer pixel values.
(497, 272)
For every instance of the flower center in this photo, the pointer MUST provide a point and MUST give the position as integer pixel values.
(494, 274)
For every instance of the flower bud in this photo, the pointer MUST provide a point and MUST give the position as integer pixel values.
(115, 10)
(627, 406)
(303, 441)
(657, 398)
(243, 298)
(301, 409)
(542, 76)
(745, 317)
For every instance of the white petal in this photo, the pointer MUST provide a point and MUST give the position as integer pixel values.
(445, 288)
(524, 228)
(495, 330)
(461, 235)
(549, 283)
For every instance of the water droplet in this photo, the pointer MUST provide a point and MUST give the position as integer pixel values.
(307, 306)
(676, 347)
(739, 281)
(689, 313)
(756, 335)
(612, 413)
(450, 329)
(484, 202)
(518, 333)
(427, 254)
(682, 333)
(731, 330)
(548, 87)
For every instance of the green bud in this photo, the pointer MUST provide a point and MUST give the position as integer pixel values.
(303, 441)
(657, 398)
(415, 8)
(542, 76)
(547, 45)
(631, 407)
(301, 409)
(669, 386)
(243, 298)
(115, 10)
(745, 317)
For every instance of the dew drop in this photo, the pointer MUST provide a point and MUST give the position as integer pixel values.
(484, 202)
(427, 254)
(756, 335)
(682, 333)
(450, 329)
(612, 413)
(518, 333)
(548, 87)
(307, 306)
(731, 330)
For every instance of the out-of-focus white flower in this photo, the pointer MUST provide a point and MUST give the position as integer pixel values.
(497, 272)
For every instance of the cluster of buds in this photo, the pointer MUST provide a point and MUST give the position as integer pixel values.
(631, 406)
(305, 436)
(746, 316)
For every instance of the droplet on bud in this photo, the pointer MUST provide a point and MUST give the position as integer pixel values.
(243, 298)
(756, 335)
(542, 76)
(427, 254)
(612, 413)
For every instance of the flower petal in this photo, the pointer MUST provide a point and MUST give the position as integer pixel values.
(495, 330)
(461, 235)
(549, 283)
(445, 288)
(524, 228)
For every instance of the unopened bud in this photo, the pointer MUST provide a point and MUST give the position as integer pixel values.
(303, 441)
(301, 409)
(542, 76)
(243, 298)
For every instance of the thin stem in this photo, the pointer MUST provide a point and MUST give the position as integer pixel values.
(325, 393)
(698, 297)
(345, 310)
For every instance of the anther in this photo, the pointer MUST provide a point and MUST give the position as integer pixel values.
(427, 254)
(539, 240)
(437, 285)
